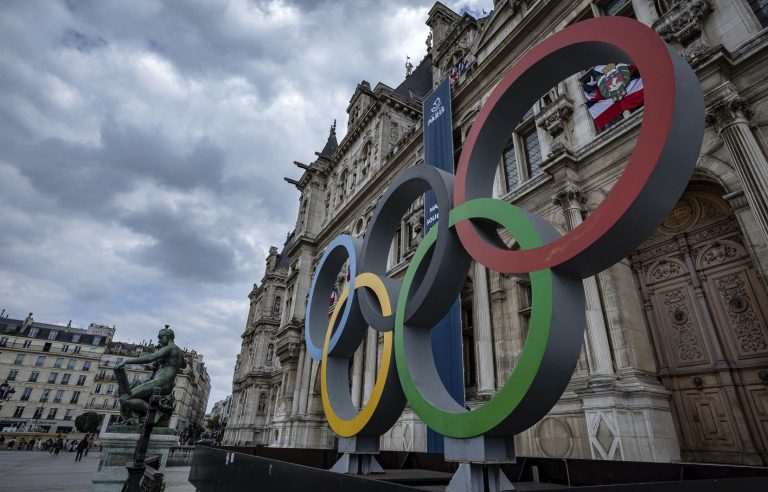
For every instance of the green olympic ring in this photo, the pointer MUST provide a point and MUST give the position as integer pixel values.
(553, 340)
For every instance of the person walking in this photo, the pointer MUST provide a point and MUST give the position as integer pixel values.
(58, 446)
(81, 446)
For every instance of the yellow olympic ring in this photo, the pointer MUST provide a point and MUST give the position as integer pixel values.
(350, 427)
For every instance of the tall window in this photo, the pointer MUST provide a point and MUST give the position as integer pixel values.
(40, 361)
(77, 349)
(71, 364)
(81, 380)
(68, 414)
(75, 337)
(45, 395)
(86, 365)
(98, 388)
(26, 394)
(12, 375)
(53, 334)
(510, 168)
(760, 8)
(65, 378)
(27, 344)
(33, 332)
(38, 413)
(52, 377)
(75, 397)
(33, 377)
(59, 362)
(59, 396)
(47, 347)
(524, 146)
(619, 7)
(468, 339)
(52, 413)
(18, 412)
(19, 359)
(532, 152)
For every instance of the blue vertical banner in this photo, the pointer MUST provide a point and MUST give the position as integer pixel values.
(446, 335)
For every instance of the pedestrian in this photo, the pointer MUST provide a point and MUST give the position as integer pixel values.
(31, 445)
(58, 446)
(81, 446)
(22, 444)
(11, 443)
(90, 443)
(2, 439)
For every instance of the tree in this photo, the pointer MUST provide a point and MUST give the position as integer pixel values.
(88, 422)
(214, 422)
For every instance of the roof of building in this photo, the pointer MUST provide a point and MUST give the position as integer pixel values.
(419, 82)
(331, 144)
(42, 331)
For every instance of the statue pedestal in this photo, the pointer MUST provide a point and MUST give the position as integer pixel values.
(118, 449)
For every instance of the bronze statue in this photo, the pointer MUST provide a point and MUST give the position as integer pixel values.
(134, 398)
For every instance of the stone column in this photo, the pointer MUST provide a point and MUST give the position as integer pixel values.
(305, 377)
(483, 336)
(371, 351)
(730, 115)
(296, 387)
(357, 377)
(601, 363)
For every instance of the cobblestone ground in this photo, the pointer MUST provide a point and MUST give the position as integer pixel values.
(33, 471)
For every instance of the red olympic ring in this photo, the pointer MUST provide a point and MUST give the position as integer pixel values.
(659, 169)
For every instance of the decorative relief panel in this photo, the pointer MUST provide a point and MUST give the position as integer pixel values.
(718, 253)
(666, 269)
(710, 420)
(745, 323)
(684, 333)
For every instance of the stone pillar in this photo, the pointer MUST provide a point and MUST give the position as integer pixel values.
(357, 377)
(305, 377)
(371, 351)
(296, 386)
(730, 115)
(118, 449)
(483, 335)
(601, 363)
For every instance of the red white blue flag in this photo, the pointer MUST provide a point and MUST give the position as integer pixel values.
(611, 90)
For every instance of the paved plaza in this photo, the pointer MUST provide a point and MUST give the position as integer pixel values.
(32, 471)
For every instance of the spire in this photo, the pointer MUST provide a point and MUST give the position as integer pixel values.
(331, 145)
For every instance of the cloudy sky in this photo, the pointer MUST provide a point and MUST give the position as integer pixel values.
(143, 146)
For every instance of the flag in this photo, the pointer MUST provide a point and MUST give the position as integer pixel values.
(454, 74)
(611, 90)
(333, 298)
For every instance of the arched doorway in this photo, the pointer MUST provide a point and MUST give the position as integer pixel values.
(707, 309)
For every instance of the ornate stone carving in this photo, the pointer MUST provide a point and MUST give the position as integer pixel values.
(569, 197)
(685, 334)
(728, 110)
(553, 119)
(683, 23)
(747, 324)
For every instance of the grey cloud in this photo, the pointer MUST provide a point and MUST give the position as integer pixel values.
(143, 145)
(180, 248)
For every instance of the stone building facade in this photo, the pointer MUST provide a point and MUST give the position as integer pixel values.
(675, 359)
(50, 370)
(59, 372)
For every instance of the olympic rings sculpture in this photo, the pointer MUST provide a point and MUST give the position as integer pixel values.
(655, 177)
